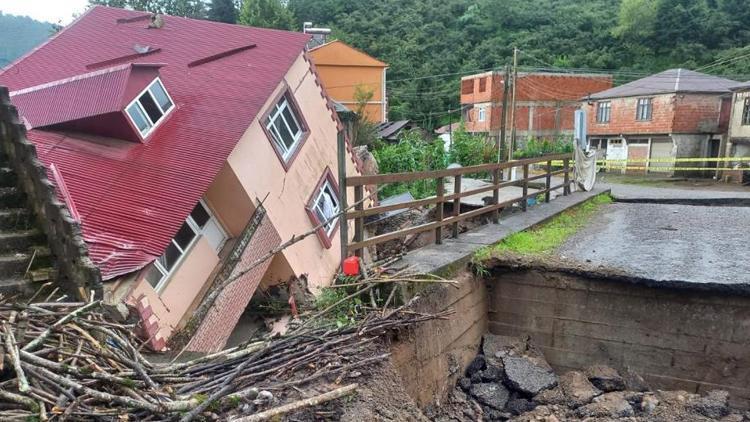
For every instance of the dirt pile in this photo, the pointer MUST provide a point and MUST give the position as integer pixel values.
(510, 380)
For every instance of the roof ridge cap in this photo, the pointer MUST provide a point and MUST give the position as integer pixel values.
(81, 76)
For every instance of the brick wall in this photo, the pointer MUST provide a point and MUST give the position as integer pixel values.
(219, 322)
(431, 356)
(675, 338)
(697, 113)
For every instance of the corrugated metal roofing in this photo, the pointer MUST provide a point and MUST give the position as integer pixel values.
(668, 81)
(133, 197)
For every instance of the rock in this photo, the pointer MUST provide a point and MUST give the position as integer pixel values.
(610, 405)
(714, 405)
(489, 394)
(577, 389)
(633, 381)
(495, 347)
(605, 378)
(476, 377)
(464, 383)
(649, 403)
(551, 396)
(476, 365)
(519, 405)
(492, 374)
(527, 376)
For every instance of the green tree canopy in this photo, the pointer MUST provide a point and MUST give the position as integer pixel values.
(186, 8)
(266, 14)
(223, 11)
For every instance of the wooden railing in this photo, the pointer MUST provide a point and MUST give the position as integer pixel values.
(359, 183)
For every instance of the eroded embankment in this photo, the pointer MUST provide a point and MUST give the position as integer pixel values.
(675, 336)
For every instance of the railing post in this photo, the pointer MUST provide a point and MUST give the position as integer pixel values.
(456, 203)
(548, 181)
(566, 173)
(343, 221)
(495, 195)
(439, 210)
(359, 222)
(525, 186)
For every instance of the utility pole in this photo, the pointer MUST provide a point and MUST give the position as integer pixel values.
(512, 142)
(504, 113)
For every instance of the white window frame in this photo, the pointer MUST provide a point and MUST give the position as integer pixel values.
(277, 113)
(166, 275)
(745, 116)
(644, 104)
(481, 114)
(316, 205)
(153, 125)
(602, 112)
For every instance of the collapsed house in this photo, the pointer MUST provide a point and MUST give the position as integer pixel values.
(162, 154)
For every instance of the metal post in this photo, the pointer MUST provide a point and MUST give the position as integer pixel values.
(359, 222)
(525, 187)
(343, 222)
(495, 195)
(456, 203)
(439, 210)
(548, 181)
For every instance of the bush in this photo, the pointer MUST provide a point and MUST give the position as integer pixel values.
(411, 154)
(471, 150)
(537, 148)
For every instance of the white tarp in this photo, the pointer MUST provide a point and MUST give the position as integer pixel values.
(585, 168)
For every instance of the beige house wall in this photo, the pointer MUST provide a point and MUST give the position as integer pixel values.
(260, 172)
(736, 128)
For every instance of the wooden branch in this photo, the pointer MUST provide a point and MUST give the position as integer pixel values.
(12, 349)
(40, 340)
(301, 404)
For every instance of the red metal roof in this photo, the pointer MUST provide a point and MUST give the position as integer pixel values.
(132, 197)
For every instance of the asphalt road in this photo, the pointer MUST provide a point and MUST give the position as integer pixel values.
(698, 244)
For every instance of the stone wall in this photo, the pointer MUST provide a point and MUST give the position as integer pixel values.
(676, 338)
(63, 232)
(431, 356)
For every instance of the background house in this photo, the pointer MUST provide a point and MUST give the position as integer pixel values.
(189, 151)
(545, 102)
(344, 69)
(677, 113)
(738, 139)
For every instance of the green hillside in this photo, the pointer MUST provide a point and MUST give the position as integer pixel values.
(421, 38)
(20, 34)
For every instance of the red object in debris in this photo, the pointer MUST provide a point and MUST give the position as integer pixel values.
(351, 265)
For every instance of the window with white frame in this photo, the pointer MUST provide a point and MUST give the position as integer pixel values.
(325, 205)
(643, 109)
(283, 123)
(150, 107)
(746, 112)
(200, 222)
(481, 114)
(603, 111)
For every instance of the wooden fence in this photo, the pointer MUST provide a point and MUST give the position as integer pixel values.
(359, 214)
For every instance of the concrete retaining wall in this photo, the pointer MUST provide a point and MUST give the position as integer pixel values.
(430, 357)
(674, 338)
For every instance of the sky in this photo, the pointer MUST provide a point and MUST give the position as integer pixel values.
(52, 11)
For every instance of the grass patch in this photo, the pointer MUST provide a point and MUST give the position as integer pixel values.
(549, 236)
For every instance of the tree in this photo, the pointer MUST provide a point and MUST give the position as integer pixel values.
(223, 11)
(636, 19)
(266, 14)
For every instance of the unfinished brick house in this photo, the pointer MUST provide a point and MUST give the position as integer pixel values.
(738, 139)
(677, 113)
(184, 149)
(545, 102)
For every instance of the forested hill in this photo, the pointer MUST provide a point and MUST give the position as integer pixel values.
(19, 34)
(421, 38)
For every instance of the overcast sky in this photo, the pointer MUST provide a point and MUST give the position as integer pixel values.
(53, 11)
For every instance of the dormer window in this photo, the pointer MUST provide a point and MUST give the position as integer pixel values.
(150, 107)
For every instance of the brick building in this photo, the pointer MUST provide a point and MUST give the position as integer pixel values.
(738, 138)
(545, 102)
(677, 113)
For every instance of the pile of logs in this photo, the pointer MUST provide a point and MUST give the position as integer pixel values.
(70, 361)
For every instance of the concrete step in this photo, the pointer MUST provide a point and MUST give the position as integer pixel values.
(23, 240)
(42, 275)
(12, 264)
(16, 219)
(8, 177)
(10, 286)
(12, 197)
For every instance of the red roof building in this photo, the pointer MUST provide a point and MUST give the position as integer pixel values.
(168, 136)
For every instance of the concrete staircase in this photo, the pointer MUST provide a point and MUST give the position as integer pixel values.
(25, 258)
